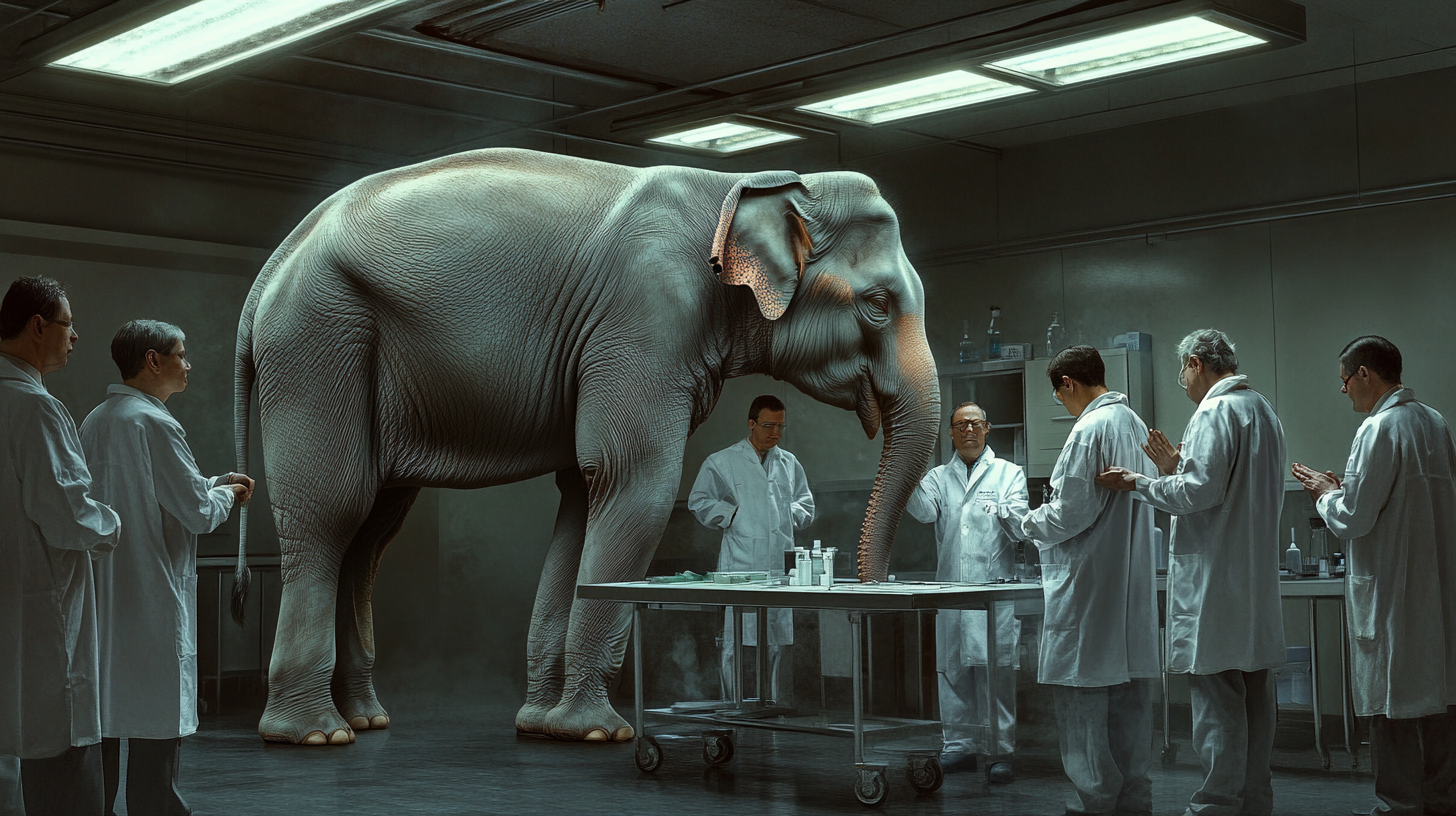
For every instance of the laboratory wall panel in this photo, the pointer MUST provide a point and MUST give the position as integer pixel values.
(1383, 270)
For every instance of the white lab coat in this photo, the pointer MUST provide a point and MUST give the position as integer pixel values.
(1096, 546)
(758, 506)
(1223, 570)
(971, 546)
(146, 592)
(51, 530)
(1397, 508)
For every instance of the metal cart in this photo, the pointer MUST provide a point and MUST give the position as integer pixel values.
(871, 785)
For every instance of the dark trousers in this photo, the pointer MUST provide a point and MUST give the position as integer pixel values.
(65, 785)
(1415, 765)
(1233, 732)
(151, 776)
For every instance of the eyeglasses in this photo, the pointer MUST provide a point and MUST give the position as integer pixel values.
(1345, 383)
(1183, 380)
(67, 323)
(773, 426)
(966, 425)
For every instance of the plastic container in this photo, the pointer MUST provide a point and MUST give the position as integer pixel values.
(968, 352)
(1292, 684)
(1293, 558)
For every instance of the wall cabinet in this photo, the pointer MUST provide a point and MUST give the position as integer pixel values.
(1048, 423)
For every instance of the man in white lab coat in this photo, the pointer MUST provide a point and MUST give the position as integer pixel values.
(1099, 642)
(757, 494)
(1397, 509)
(52, 530)
(146, 592)
(1224, 486)
(973, 546)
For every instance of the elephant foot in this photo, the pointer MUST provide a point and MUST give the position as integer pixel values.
(531, 719)
(323, 729)
(365, 714)
(587, 722)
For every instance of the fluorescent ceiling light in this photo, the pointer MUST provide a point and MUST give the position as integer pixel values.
(1135, 49)
(725, 137)
(952, 89)
(209, 34)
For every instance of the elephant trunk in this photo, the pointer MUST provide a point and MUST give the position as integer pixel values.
(910, 416)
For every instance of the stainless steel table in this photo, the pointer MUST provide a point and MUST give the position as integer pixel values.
(854, 598)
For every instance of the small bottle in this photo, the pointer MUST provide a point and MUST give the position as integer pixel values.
(993, 336)
(968, 353)
(1056, 336)
(1293, 558)
(1318, 538)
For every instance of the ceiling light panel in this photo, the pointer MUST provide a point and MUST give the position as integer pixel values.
(1123, 52)
(724, 137)
(952, 89)
(210, 34)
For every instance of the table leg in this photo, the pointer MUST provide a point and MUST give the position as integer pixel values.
(737, 623)
(856, 669)
(1346, 693)
(992, 661)
(763, 662)
(1314, 684)
(217, 683)
(637, 668)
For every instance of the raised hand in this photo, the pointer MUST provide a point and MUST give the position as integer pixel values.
(1316, 484)
(1162, 452)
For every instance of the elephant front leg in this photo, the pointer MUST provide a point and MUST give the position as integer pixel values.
(546, 643)
(628, 515)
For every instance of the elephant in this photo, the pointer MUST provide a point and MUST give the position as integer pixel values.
(501, 314)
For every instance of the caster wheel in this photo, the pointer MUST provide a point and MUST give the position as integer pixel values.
(1169, 757)
(871, 787)
(648, 755)
(926, 775)
(717, 749)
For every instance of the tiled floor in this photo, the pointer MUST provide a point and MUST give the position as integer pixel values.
(447, 761)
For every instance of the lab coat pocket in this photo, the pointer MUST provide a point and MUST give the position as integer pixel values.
(1061, 613)
(1187, 583)
(187, 618)
(1360, 593)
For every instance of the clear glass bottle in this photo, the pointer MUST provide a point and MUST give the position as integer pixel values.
(1056, 336)
(968, 352)
(993, 336)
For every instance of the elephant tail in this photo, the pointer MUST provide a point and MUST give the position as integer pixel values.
(243, 376)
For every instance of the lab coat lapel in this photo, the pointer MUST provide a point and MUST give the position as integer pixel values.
(14, 368)
(978, 473)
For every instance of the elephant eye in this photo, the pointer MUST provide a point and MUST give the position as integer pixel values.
(876, 306)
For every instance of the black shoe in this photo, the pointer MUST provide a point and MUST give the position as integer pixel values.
(1000, 773)
(957, 761)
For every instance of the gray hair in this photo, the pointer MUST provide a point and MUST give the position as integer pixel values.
(132, 342)
(1212, 347)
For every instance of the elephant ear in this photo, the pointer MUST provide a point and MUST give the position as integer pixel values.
(761, 241)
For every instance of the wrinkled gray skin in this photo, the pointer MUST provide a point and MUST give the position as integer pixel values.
(502, 314)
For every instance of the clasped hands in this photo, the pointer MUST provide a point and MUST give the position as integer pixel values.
(1159, 449)
(1316, 484)
(241, 485)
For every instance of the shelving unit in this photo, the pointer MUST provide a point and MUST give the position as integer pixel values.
(997, 386)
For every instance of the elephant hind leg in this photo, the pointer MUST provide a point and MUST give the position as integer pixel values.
(546, 643)
(353, 681)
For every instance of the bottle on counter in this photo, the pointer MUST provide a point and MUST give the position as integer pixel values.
(1056, 336)
(993, 336)
(1293, 558)
(968, 353)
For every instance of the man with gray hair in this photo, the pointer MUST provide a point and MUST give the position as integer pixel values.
(1224, 486)
(146, 593)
